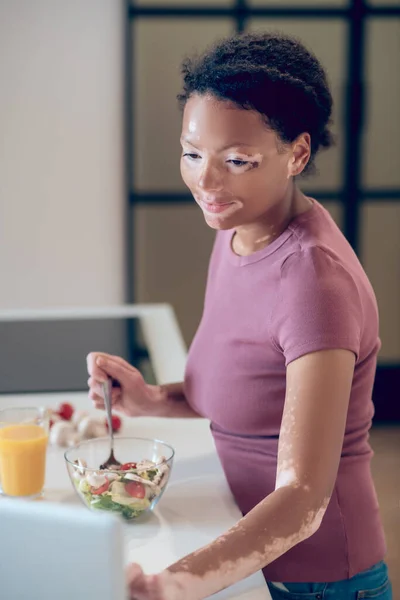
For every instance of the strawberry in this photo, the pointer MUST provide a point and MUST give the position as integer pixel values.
(116, 423)
(66, 411)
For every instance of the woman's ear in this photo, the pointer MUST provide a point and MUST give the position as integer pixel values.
(300, 154)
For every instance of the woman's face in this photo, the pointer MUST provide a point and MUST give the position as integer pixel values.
(235, 167)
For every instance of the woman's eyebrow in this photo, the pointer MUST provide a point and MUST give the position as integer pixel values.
(231, 145)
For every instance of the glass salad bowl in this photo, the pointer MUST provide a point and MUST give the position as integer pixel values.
(131, 489)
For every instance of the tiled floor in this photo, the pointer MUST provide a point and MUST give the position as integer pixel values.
(385, 441)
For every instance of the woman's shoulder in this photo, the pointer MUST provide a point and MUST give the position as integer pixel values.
(318, 246)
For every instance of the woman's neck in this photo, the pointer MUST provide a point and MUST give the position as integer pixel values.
(252, 237)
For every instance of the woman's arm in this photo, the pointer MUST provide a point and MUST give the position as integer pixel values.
(174, 403)
(310, 444)
(132, 395)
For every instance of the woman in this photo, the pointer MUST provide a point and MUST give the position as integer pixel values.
(284, 359)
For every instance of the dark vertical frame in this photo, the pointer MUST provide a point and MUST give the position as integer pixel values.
(354, 103)
(351, 194)
(129, 158)
(240, 15)
(132, 350)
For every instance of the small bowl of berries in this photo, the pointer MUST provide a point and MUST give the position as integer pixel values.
(130, 488)
(68, 426)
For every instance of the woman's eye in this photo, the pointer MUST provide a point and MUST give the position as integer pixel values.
(238, 163)
(235, 162)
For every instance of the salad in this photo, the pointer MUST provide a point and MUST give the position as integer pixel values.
(129, 489)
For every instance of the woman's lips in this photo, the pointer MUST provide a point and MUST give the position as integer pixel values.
(215, 207)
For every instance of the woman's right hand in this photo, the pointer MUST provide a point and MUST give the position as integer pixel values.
(133, 397)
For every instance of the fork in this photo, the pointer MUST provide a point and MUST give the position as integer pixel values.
(111, 460)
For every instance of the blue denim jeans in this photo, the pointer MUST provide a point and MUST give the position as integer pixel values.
(372, 583)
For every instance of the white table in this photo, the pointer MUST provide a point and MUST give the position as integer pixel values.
(196, 507)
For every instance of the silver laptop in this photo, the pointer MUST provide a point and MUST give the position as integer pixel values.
(56, 552)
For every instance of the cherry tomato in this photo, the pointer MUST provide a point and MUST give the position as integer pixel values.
(66, 411)
(135, 489)
(103, 488)
(116, 423)
(128, 466)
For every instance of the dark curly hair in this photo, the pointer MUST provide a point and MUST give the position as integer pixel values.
(271, 73)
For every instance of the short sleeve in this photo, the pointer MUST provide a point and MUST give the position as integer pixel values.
(318, 306)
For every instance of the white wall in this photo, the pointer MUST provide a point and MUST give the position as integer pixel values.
(61, 153)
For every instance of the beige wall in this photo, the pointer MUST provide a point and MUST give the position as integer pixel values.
(172, 242)
(61, 153)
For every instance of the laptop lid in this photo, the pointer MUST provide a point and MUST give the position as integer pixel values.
(56, 552)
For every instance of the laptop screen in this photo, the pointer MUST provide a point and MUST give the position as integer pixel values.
(50, 356)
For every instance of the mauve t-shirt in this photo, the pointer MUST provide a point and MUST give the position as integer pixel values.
(304, 292)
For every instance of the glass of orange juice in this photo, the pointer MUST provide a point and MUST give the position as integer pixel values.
(23, 443)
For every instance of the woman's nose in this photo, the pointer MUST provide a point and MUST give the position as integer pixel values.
(210, 179)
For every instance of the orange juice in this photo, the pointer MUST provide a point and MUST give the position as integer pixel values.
(22, 459)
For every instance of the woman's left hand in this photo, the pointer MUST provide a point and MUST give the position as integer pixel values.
(160, 586)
